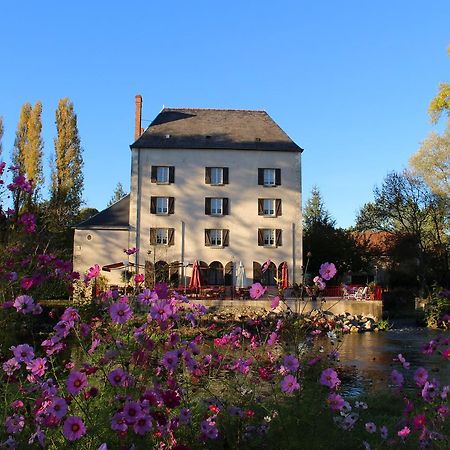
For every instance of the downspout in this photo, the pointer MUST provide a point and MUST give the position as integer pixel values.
(138, 210)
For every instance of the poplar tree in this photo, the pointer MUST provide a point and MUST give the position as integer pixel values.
(33, 149)
(118, 194)
(67, 175)
(1, 134)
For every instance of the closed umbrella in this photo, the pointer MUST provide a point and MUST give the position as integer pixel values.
(240, 276)
(195, 282)
(284, 276)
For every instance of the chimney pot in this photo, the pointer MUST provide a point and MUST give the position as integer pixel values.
(138, 118)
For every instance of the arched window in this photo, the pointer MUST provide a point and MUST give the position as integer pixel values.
(204, 269)
(229, 274)
(161, 272)
(257, 272)
(215, 273)
(268, 277)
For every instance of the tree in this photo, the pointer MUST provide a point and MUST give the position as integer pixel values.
(67, 175)
(315, 212)
(405, 207)
(432, 162)
(118, 194)
(440, 103)
(33, 149)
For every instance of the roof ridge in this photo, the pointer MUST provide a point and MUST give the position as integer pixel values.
(214, 109)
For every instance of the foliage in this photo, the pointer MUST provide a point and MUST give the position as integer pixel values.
(440, 103)
(118, 194)
(67, 175)
(437, 307)
(1, 134)
(432, 162)
(315, 213)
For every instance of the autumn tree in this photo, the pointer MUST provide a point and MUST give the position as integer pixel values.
(67, 164)
(118, 194)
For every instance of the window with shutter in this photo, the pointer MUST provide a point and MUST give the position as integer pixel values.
(162, 205)
(269, 177)
(162, 175)
(216, 206)
(269, 207)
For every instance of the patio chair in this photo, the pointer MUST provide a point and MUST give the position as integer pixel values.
(345, 293)
(361, 293)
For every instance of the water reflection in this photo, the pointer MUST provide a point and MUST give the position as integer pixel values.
(367, 358)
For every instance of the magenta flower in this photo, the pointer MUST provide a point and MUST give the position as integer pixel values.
(209, 429)
(290, 363)
(10, 366)
(370, 427)
(118, 422)
(329, 378)
(37, 366)
(257, 291)
(147, 296)
(161, 311)
(327, 271)
(429, 391)
(139, 278)
(266, 265)
(419, 421)
(142, 425)
(397, 378)
(93, 272)
(120, 312)
(131, 411)
(27, 283)
(335, 402)
(289, 384)
(15, 423)
(275, 302)
(76, 382)
(70, 314)
(74, 428)
(272, 339)
(24, 304)
(118, 377)
(420, 376)
(23, 353)
(170, 360)
(130, 251)
(404, 432)
(58, 407)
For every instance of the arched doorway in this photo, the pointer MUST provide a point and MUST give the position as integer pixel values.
(257, 274)
(229, 273)
(215, 273)
(174, 274)
(268, 277)
(204, 269)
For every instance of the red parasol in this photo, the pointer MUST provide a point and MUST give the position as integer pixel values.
(195, 282)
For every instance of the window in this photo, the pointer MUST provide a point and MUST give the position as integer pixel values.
(269, 207)
(162, 205)
(216, 238)
(162, 236)
(269, 177)
(216, 206)
(216, 175)
(269, 238)
(162, 175)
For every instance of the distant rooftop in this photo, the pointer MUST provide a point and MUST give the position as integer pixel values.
(195, 128)
(116, 216)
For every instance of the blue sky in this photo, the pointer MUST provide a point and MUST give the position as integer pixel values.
(349, 81)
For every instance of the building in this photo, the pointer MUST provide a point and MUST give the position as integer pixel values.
(218, 186)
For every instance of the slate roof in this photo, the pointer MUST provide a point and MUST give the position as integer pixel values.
(193, 128)
(116, 216)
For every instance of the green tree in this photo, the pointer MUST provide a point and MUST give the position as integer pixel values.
(118, 194)
(67, 175)
(315, 212)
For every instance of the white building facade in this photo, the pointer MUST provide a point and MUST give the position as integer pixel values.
(215, 186)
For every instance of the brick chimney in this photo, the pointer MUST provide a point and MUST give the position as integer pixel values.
(138, 117)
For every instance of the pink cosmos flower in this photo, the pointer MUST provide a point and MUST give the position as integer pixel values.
(118, 422)
(27, 283)
(257, 291)
(23, 353)
(429, 391)
(209, 429)
(131, 411)
(28, 221)
(327, 271)
(74, 428)
(446, 353)
(419, 421)
(275, 302)
(139, 278)
(24, 304)
(289, 384)
(70, 314)
(118, 377)
(15, 423)
(404, 432)
(37, 366)
(10, 366)
(58, 407)
(335, 402)
(93, 272)
(397, 378)
(370, 427)
(120, 312)
(17, 404)
(290, 363)
(272, 339)
(161, 310)
(266, 265)
(420, 376)
(329, 378)
(147, 296)
(76, 382)
(142, 425)
(131, 251)
(170, 360)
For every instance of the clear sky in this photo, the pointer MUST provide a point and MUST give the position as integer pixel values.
(349, 81)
